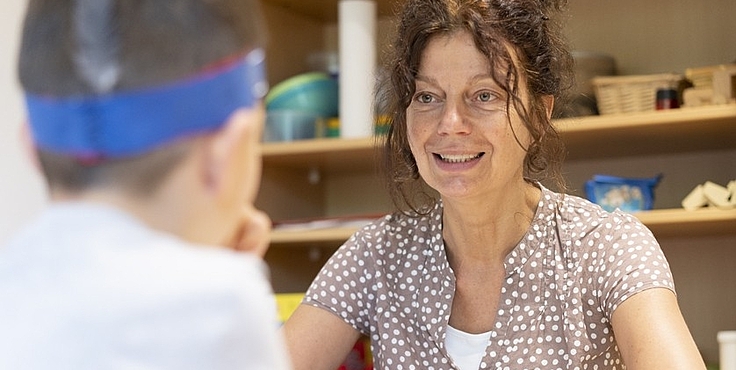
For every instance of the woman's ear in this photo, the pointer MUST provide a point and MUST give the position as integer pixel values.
(549, 104)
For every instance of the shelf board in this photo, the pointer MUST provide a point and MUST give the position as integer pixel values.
(331, 154)
(329, 236)
(656, 132)
(326, 10)
(681, 223)
(664, 223)
(594, 137)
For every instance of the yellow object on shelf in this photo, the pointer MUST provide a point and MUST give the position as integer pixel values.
(287, 304)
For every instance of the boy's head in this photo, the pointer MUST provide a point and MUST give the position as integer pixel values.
(113, 82)
(123, 94)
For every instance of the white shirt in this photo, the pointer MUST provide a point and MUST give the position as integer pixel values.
(89, 287)
(466, 349)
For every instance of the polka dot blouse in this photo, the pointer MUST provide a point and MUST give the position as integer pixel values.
(575, 265)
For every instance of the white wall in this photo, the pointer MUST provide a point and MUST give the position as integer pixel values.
(22, 191)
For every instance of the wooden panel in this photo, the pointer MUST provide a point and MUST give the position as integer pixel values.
(293, 269)
(291, 38)
(288, 194)
(325, 10)
(705, 277)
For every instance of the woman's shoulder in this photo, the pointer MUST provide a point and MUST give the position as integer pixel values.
(584, 218)
(400, 230)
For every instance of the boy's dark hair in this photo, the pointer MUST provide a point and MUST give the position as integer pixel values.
(149, 42)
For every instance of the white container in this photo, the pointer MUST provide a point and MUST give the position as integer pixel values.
(357, 58)
(727, 349)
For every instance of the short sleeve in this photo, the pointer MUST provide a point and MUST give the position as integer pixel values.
(344, 286)
(629, 261)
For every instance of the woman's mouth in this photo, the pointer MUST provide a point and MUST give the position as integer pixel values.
(458, 158)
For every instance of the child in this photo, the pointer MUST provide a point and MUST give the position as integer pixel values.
(146, 117)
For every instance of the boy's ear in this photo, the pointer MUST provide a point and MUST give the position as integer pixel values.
(224, 148)
(28, 146)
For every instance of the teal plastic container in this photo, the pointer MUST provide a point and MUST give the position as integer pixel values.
(289, 125)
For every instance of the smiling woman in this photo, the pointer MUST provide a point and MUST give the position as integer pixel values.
(495, 271)
(458, 126)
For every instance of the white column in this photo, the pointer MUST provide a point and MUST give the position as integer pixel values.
(357, 50)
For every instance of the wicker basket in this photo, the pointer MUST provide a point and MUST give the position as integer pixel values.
(702, 77)
(625, 94)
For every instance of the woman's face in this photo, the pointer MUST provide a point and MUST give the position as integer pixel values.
(457, 123)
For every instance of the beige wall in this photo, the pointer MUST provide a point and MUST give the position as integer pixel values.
(654, 36)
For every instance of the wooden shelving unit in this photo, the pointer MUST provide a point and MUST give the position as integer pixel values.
(334, 177)
(587, 137)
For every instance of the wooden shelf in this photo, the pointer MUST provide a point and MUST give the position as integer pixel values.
(325, 154)
(657, 132)
(334, 236)
(664, 223)
(681, 223)
(326, 10)
(674, 131)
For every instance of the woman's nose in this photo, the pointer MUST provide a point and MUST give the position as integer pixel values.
(453, 119)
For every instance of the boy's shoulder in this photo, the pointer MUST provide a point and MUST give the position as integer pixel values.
(94, 278)
(105, 243)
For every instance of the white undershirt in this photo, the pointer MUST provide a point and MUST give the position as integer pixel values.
(465, 349)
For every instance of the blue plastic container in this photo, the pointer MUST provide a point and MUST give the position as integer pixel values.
(626, 194)
(314, 92)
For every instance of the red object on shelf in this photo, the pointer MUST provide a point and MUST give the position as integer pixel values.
(359, 357)
(667, 99)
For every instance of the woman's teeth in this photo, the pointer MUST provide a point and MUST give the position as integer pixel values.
(458, 158)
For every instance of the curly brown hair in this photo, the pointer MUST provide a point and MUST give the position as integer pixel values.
(519, 38)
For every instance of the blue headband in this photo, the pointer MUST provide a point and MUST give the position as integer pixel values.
(129, 123)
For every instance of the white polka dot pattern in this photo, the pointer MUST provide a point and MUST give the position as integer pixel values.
(574, 266)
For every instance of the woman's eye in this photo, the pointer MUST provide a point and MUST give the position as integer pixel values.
(485, 96)
(425, 98)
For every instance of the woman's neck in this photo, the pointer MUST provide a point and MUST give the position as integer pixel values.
(486, 231)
